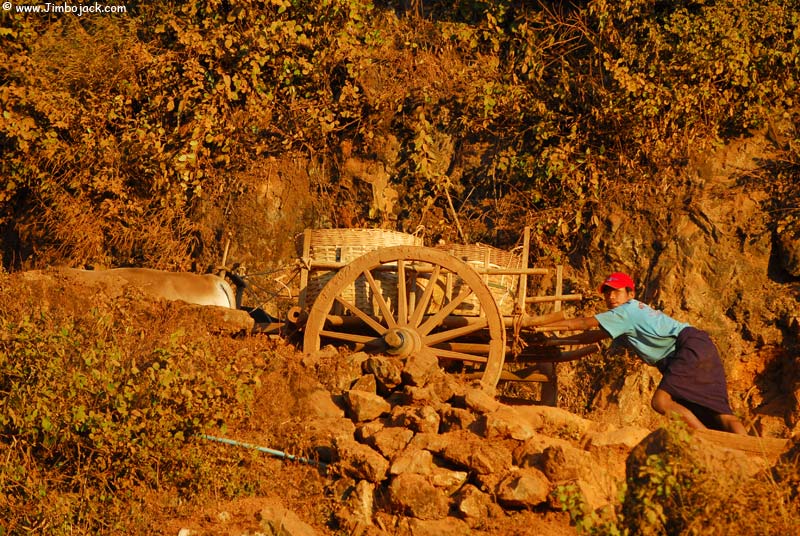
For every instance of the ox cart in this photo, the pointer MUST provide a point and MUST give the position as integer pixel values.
(469, 306)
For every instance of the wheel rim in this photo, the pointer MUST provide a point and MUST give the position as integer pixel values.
(415, 296)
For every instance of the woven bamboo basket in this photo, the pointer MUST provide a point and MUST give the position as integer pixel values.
(503, 287)
(346, 245)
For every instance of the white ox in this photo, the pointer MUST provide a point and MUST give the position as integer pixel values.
(207, 289)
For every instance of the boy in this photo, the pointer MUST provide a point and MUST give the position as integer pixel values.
(693, 384)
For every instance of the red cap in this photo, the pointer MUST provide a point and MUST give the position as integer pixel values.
(617, 280)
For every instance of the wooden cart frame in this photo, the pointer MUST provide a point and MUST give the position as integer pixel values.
(409, 299)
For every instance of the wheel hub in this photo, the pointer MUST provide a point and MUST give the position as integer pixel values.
(402, 341)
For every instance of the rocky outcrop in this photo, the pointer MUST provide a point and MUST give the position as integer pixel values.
(429, 451)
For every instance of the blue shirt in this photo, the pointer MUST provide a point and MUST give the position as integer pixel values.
(648, 332)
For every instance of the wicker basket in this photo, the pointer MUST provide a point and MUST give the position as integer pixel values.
(503, 287)
(346, 245)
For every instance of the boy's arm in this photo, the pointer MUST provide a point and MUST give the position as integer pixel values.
(588, 325)
(582, 323)
(588, 337)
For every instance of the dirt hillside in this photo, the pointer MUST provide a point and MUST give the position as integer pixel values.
(392, 446)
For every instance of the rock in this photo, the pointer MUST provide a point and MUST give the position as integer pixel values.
(506, 422)
(456, 419)
(525, 488)
(348, 371)
(478, 456)
(365, 406)
(365, 431)
(789, 244)
(415, 496)
(446, 386)
(387, 371)
(390, 440)
(360, 462)
(682, 448)
(554, 421)
(588, 494)
(553, 463)
(361, 502)
(628, 437)
(431, 441)
(322, 433)
(412, 395)
(367, 383)
(419, 368)
(474, 505)
(415, 461)
(450, 526)
(278, 521)
(420, 419)
(319, 403)
(448, 479)
(479, 401)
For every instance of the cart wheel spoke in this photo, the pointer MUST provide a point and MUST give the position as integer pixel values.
(451, 334)
(379, 299)
(458, 356)
(444, 312)
(402, 296)
(424, 301)
(349, 337)
(376, 326)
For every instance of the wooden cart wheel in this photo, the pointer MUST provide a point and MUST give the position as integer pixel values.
(410, 302)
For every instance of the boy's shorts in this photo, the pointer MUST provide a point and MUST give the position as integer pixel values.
(694, 373)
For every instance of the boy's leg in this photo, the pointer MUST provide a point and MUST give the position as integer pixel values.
(732, 424)
(664, 404)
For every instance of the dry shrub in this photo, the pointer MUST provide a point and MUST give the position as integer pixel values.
(685, 488)
(103, 400)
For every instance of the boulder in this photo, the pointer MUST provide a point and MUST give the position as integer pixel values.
(507, 423)
(479, 401)
(456, 419)
(448, 479)
(588, 494)
(420, 419)
(415, 496)
(360, 462)
(322, 433)
(553, 463)
(365, 430)
(477, 456)
(789, 244)
(319, 403)
(361, 502)
(387, 371)
(419, 368)
(449, 526)
(347, 372)
(525, 488)
(432, 441)
(475, 505)
(412, 460)
(390, 440)
(365, 406)
(625, 437)
(367, 383)
(275, 520)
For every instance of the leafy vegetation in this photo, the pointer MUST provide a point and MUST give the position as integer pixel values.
(119, 132)
(85, 422)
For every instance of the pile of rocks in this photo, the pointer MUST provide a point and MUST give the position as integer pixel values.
(415, 450)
